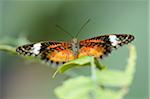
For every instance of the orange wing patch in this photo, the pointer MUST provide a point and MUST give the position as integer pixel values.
(61, 56)
(94, 40)
(85, 42)
(53, 46)
(95, 51)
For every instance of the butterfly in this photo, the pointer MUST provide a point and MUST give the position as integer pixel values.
(55, 52)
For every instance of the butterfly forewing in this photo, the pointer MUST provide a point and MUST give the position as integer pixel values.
(35, 49)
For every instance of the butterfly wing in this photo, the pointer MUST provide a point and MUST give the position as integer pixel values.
(51, 52)
(61, 52)
(103, 45)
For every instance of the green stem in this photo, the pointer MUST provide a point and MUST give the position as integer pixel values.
(130, 69)
(94, 78)
(93, 70)
(8, 48)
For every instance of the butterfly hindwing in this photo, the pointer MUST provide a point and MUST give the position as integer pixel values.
(58, 54)
(103, 45)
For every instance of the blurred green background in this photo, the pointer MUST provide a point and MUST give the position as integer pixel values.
(22, 79)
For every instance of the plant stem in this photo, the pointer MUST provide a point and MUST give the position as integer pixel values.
(93, 70)
(94, 79)
(8, 48)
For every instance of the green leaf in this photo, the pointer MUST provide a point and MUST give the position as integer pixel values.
(113, 78)
(80, 62)
(74, 88)
(100, 93)
(84, 88)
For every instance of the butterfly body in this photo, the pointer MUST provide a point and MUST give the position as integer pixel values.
(61, 52)
(75, 46)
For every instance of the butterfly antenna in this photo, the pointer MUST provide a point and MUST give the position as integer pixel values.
(82, 27)
(64, 30)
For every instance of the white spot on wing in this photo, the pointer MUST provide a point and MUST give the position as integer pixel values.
(36, 48)
(113, 40)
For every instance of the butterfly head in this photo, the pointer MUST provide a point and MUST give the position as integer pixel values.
(74, 40)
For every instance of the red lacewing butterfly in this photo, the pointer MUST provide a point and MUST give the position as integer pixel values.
(55, 52)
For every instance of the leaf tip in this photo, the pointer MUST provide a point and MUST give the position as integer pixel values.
(55, 73)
